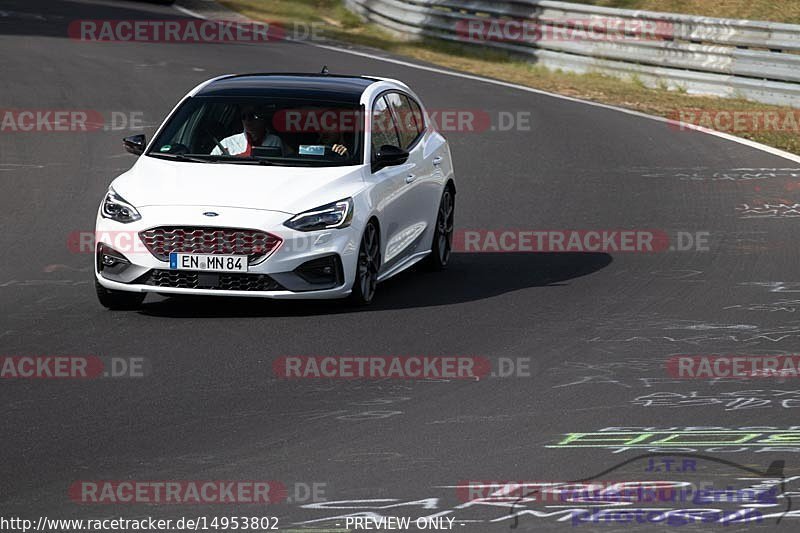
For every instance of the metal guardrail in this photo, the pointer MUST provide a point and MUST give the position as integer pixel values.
(701, 55)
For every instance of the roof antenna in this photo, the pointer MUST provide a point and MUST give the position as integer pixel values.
(324, 70)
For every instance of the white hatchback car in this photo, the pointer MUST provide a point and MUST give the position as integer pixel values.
(278, 186)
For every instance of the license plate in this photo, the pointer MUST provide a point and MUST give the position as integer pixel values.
(208, 262)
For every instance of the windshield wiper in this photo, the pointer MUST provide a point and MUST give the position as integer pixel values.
(237, 159)
(181, 157)
(222, 158)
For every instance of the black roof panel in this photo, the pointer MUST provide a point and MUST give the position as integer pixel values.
(314, 86)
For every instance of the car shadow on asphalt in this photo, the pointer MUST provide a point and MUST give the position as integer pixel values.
(469, 278)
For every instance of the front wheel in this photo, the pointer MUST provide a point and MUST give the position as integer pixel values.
(118, 300)
(368, 266)
(443, 233)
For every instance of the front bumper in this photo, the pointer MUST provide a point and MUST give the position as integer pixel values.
(297, 269)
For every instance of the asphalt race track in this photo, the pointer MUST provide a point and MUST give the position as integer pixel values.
(595, 327)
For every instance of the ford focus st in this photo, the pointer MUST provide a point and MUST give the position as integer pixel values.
(278, 186)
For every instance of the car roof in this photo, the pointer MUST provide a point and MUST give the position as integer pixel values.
(312, 86)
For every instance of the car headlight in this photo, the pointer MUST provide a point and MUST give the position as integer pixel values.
(336, 215)
(116, 208)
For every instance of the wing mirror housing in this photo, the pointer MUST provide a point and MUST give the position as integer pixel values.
(135, 144)
(389, 156)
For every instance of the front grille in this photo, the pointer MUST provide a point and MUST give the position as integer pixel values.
(188, 240)
(180, 279)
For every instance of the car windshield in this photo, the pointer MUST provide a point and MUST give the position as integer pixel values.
(286, 132)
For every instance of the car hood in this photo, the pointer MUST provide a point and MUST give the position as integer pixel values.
(292, 190)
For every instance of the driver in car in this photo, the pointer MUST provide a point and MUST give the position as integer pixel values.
(256, 133)
(333, 141)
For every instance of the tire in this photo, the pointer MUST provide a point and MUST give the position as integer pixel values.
(118, 300)
(367, 266)
(443, 233)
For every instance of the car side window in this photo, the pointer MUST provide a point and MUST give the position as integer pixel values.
(406, 122)
(383, 128)
(417, 111)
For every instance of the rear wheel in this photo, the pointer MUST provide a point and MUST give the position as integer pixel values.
(118, 300)
(443, 234)
(368, 266)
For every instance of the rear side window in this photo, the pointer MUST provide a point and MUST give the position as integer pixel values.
(408, 127)
(383, 127)
(417, 111)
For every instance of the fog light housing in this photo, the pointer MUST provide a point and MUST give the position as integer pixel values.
(109, 258)
(322, 271)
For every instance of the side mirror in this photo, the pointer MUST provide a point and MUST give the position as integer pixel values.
(135, 144)
(389, 156)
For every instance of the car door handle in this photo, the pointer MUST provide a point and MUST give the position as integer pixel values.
(437, 162)
(411, 178)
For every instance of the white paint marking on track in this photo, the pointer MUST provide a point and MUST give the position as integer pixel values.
(190, 12)
(746, 142)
